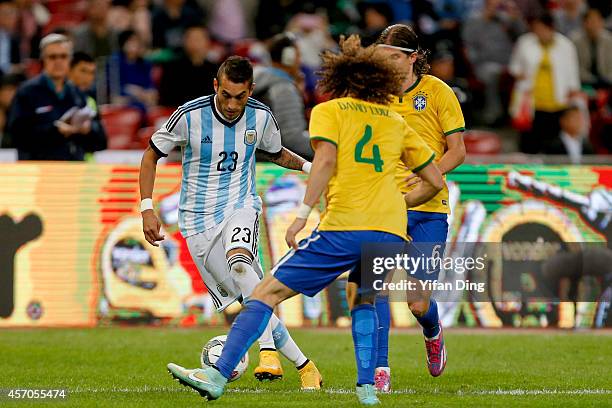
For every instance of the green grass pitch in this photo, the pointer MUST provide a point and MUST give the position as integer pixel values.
(106, 367)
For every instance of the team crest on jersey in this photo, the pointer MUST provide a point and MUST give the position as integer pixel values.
(222, 290)
(419, 102)
(250, 136)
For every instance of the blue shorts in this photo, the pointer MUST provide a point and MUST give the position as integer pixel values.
(428, 231)
(324, 256)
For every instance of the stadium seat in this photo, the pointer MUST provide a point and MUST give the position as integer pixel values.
(121, 124)
(67, 6)
(31, 67)
(157, 115)
(144, 135)
(482, 142)
(156, 75)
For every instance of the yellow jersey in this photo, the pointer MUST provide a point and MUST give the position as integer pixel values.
(544, 85)
(362, 194)
(431, 108)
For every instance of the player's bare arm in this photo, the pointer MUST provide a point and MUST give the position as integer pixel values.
(432, 183)
(323, 167)
(454, 155)
(150, 223)
(452, 158)
(284, 158)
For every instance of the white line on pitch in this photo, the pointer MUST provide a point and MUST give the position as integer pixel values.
(516, 392)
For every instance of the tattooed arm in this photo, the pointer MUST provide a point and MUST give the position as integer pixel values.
(285, 158)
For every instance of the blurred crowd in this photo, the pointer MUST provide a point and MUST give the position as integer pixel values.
(542, 68)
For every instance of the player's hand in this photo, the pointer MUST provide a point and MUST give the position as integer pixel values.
(412, 179)
(151, 227)
(297, 225)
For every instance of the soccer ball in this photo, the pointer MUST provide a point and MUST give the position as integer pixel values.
(211, 352)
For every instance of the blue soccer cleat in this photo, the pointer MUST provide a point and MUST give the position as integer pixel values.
(208, 382)
(367, 395)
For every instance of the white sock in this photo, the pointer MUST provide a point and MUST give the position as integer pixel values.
(284, 342)
(245, 277)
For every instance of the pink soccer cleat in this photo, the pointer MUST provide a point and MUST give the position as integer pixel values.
(436, 354)
(382, 379)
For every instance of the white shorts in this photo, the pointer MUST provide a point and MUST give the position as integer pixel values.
(209, 249)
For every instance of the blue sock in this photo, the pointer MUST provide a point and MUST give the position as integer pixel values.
(246, 329)
(383, 312)
(430, 320)
(365, 339)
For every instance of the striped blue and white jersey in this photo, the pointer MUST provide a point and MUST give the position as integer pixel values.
(218, 159)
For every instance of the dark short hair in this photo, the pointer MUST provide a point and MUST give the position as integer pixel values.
(591, 11)
(570, 109)
(380, 7)
(545, 18)
(12, 80)
(125, 36)
(79, 57)
(236, 69)
(278, 43)
(195, 26)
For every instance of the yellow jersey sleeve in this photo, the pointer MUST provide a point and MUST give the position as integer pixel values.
(449, 111)
(416, 155)
(324, 123)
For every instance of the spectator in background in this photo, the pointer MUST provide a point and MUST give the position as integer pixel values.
(569, 15)
(191, 75)
(8, 87)
(530, 8)
(376, 16)
(170, 21)
(95, 37)
(594, 46)
(120, 16)
(230, 20)
(130, 77)
(572, 139)
(488, 40)
(10, 57)
(39, 121)
(226, 20)
(545, 65)
(131, 15)
(443, 67)
(83, 73)
(277, 87)
(33, 16)
(141, 20)
(313, 36)
(268, 24)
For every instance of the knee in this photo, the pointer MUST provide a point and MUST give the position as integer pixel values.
(269, 292)
(419, 308)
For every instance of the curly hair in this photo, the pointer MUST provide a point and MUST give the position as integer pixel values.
(401, 35)
(358, 72)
